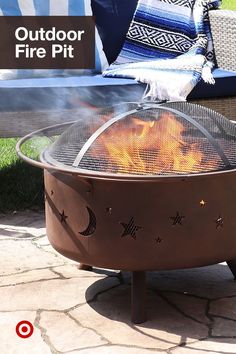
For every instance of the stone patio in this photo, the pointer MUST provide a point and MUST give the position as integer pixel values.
(74, 311)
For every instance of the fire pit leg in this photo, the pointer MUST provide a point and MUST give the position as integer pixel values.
(138, 297)
(87, 267)
(232, 267)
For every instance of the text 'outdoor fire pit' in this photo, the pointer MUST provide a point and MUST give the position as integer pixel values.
(140, 187)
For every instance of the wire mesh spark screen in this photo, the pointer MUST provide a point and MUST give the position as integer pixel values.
(165, 139)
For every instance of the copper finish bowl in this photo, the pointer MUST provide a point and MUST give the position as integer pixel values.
(130, 225)
(140, 220)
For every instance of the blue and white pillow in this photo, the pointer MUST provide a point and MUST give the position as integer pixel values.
(52, 8)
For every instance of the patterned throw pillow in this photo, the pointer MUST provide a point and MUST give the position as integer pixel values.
(52, 8)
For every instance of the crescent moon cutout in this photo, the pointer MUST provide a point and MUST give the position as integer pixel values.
(91, 228)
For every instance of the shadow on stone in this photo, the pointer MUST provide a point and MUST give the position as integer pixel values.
(179, 304)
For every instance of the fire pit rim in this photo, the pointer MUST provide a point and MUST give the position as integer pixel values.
(90, 174)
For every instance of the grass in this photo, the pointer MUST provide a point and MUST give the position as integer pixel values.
(229, 4)
(21, 185)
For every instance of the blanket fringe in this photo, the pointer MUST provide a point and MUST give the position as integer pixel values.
(207, 74)
(157, 90)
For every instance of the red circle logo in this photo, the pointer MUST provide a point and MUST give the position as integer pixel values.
(24, 329)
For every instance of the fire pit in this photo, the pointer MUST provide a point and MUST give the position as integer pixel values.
(140, 187)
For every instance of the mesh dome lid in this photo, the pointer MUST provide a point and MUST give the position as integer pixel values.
(174, 138)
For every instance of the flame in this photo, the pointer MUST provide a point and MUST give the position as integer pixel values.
(150, 147)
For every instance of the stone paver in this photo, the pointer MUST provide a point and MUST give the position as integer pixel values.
(42, 241)
(22, 225)
(73, 311)
(191, 306)
(115, 349)
(223, 346)
(27, 277)
(205, 282)
(165, 327)
(192, 351)
(71, 271)
(56, 294)
(27, 219)
(224, 328)
(71, 336)
(21, 256)
(224, 307)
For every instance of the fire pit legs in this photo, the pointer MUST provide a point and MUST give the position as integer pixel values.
(138, 297)
(87, 267)
(232, 267)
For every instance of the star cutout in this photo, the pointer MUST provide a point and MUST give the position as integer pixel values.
(177, 219)
(202, 203)
(109, 211)
(158, 240)
(219, 222)
(130, 229)
(63, 217)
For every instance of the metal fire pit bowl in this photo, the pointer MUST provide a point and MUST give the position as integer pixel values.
(138, 221)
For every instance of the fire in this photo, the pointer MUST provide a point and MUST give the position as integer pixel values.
(150, 147)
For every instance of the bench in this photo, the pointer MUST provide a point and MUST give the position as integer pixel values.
(25, 102)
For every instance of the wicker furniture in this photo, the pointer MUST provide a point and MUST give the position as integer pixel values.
(223, 26)
(223, 105)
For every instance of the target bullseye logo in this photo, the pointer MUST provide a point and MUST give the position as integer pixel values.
(24, 329)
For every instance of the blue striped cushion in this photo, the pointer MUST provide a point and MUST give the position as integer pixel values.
(52, 8)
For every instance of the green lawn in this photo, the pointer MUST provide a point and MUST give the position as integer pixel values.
(229, 4)
(21, 185)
